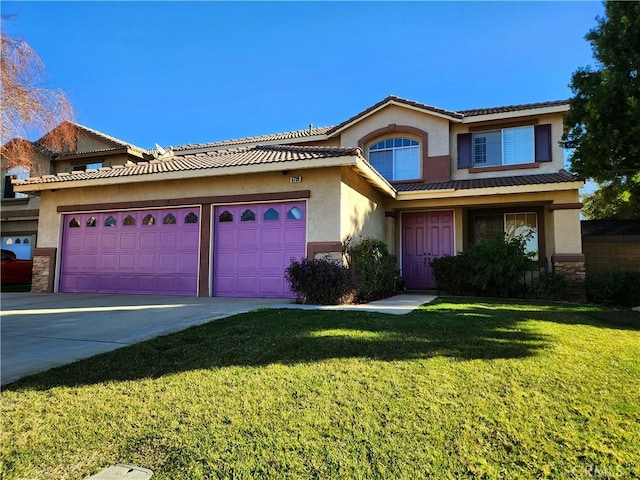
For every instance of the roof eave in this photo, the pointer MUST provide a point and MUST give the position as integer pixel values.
(305, 164)
(527, 112)
(395, 103)
(504, 190)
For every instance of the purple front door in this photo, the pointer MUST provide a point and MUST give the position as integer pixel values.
(253, 246)
(140, 251)
(425, 235)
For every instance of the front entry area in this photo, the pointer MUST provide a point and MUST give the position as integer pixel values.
(425, 235)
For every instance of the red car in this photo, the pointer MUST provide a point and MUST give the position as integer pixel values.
(14, 271)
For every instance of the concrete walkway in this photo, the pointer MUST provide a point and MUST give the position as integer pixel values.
(41, 331)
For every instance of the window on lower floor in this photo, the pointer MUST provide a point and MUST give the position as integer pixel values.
(396, 158)
(508, 146)
(509, 225)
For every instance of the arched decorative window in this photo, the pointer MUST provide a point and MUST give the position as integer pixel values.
(110, 221)
(25, 241)
(271, 214)
(10, 240)
(149, 220)
(18, 241)
(191, 218)
(225, 216)
(74, 223)
(169, 219)
(92, 222)
(295, 214)
(396, 158)
(129, 221)
(248, 216)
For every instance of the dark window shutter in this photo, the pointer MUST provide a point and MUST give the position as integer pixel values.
(464, 150)
(8, 188)
(543, 142)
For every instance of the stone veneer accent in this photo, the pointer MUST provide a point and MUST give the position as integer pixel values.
(44, 266)
(572, 268)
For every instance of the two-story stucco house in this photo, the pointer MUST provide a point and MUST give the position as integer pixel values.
(225, 218)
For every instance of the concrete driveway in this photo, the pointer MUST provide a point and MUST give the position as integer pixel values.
(41, 331)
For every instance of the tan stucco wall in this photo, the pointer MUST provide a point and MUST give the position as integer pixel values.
(557, 153)
(107, 160)
(322, 206)
(361, 208)
(89, 143)
(436, 128)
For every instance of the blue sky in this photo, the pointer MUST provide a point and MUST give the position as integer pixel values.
(177, 72)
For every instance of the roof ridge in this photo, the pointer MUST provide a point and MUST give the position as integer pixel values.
(301, 133)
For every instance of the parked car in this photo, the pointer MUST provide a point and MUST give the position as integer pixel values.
(14, 271)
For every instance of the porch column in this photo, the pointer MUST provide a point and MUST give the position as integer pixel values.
(568, 259)
(390, 232)
(44, 270)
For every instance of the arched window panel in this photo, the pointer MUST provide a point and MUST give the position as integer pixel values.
(110, 221)
(396, 158)
(271, 214)
(74, 223)
(18, 241)
(169, 219)
(191, 218)
(92, 222)
(10, 240)
(248, 216)
(129, 221)
(149, 220)
(25, 241)
(295, 214)
(225, 216)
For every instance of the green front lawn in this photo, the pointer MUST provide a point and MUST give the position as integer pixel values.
(462, 388)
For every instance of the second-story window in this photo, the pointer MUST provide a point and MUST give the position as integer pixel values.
(19, 173)
(87, 166)
(508, 146)
(396, 158)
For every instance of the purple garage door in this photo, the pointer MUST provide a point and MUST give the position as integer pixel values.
(254, 245)
(142, 251)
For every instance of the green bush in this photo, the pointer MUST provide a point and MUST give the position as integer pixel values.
(615, 288)
(453, 274)
(549, 286)
(493, 268)
(373, 273)
(318, 281)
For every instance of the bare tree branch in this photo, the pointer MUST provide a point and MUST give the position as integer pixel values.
(29, 108)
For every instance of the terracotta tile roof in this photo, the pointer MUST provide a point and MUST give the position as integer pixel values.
(561, 177)
(284, 136)
(393, 98)
(512, 108)
(218, 159)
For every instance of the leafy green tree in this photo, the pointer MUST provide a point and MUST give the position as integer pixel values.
(613, 201)
(603, 124)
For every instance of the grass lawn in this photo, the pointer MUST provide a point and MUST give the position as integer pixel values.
(461, 388)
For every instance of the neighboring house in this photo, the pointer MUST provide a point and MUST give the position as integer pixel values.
(610, 245)
(225, 218)
(20, 211)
